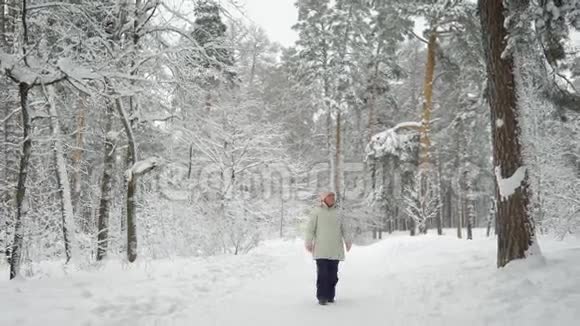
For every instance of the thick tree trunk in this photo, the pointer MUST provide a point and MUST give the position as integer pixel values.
(515, 225)
(425, 140)
(425, 130)
(106, 186)
(21, 186)
(66, 206)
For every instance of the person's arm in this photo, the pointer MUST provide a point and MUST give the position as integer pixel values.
(310, 232)
(346, 234)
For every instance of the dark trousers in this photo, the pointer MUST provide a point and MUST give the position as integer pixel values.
(327, 271)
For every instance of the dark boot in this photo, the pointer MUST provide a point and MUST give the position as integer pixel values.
(322, 302)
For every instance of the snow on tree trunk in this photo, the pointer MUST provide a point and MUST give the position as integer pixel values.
(106, 185)
(15, 260)
(490, 216)
(441, 194)
(68, 220)
(11, 135)
(131, 184)
(515, 225)
(11, 154)
(76, 158)
(388, 192)
(4, 211)
(469, 198)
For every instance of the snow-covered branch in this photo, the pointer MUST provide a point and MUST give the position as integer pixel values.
(391, 141)
(21, 73)
(142, 167)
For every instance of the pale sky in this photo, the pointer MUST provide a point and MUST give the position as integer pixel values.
(276, 17)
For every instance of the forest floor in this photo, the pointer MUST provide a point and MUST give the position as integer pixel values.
(424, 280)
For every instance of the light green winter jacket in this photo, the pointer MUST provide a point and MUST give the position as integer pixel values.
(327, 230)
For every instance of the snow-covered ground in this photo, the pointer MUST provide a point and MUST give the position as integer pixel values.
(425, 280)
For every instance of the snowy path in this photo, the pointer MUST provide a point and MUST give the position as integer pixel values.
(400, 281)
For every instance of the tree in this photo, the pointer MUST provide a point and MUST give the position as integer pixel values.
(315, 67)
(10, 133)
(66, 205)
(399, 146)
(103, 219)
(26, 76)
(422, 202)
(215, 65)
(515, 225)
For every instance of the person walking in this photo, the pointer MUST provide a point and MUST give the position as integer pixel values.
(326, 238)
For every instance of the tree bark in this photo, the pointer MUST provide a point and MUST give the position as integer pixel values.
(441, 194)
(132, 151)
(373, 171)
(425, 140)
(515, 225)
(2, 23)
(11, 153)
(470, 206)
(11, 137)
(131, 184)
(190, 164)
(449, 205)
(106, 186)
(4, 211)
(15, 260)
(66, 206)
(460, 211)
(407, 180)
(328, 107)
(388, 192)
(490, 216)
(76, 158)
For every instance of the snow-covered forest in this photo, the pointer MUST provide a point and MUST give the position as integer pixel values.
(137, 131)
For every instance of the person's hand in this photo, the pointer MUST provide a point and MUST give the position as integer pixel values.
(309, 246)
(348, 245)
